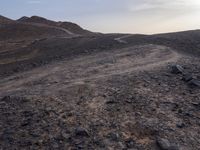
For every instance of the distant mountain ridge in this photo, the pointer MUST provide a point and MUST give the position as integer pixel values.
(37, 27)
(4, 20)
(72, 27)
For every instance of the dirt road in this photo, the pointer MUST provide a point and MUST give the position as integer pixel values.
(89, 68)
(121, 99)
(60, 90)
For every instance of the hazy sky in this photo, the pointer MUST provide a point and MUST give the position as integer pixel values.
(127, 16)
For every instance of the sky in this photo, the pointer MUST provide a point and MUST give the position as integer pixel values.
(112, 16)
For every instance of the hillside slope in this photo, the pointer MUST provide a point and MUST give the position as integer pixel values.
(21, 31)
(62, 90)
(184, 42)
(37, 28)
(4, 20)
(72, 27)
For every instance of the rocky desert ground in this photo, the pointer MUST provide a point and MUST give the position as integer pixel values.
(63, 87)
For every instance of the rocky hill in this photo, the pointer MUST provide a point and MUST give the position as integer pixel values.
(37, 27)
(63, 89)
(4, 20)
(72, 27)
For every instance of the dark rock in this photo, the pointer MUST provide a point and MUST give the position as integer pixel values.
(164, 144)
(180, 111)
(195, 104)
(26, 123)
(99, 142)
(180, 125)
(34, 64)
(138, 114)
(6, 98)
(177, 69)
(65, 135)
(130, 143)
(188, 114)
(113, 136)
(194, 83)
(81, 132)
(187, 77)
(129, 101)
(111, 102)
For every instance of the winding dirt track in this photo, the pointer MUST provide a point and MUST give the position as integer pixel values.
(89, 68)
(122, 39)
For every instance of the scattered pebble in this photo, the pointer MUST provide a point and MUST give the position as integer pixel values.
(81, 132)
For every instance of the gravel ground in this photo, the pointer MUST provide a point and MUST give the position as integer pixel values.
(147, 108)
(98, 91)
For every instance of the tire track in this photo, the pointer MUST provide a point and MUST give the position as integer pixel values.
(67, 73)
(98, 66)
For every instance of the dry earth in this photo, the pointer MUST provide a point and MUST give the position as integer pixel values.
(99, 92)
